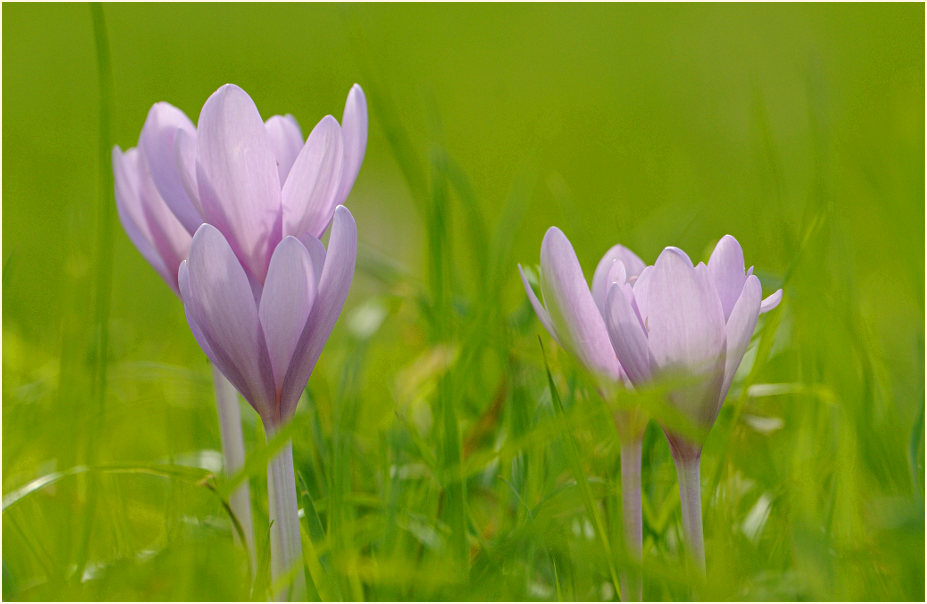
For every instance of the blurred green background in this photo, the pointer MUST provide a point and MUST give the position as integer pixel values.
(797, 128)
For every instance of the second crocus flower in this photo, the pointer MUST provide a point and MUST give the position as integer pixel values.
(689, 323)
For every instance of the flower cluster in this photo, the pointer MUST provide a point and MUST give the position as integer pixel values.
(230, 213)
(640, 324)
(247, 201)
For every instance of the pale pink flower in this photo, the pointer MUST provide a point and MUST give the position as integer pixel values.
(688, 321)
(267, 338)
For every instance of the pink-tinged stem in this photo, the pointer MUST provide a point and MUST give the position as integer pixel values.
(687, 468)
(286, 551)
(233, 450)
(631, 516)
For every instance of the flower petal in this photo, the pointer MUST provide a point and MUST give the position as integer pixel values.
(726, 267)
(739, 330)
(627, 335)
(601, 281)
(185, 162)
(334, 283)
(157, 143)
(221, 304)
(221, 361)
(682, 313)
(288, 295)
(354, 130)
(310, 189)
(169, 237)
(153, 220)
(316, 253)
(605, 276)
(771, 301)
(573, 312)
(539, 309)
(286, 139)
(237, 177)
(128, 206)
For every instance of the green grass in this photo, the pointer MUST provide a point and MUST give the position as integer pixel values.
(442, 452)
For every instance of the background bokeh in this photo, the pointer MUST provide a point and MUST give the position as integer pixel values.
(797, 128)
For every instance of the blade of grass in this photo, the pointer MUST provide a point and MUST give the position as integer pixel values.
(320, 580)
(104, 272)
(104, 254)
(576, 467)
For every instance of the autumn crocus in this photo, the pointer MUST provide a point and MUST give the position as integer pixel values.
(691, 323)
(181, 176)
(573, 315)
(267, 338)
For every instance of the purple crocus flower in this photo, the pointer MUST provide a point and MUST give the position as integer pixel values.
(688, 320)
(574, 316)
(267, 338)
(691, 322)
(260, 185)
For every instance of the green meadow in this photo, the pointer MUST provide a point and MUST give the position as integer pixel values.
(437, 458)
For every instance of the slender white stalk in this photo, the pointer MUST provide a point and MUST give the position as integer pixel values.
(631, 588)
(687, 469)
(233, 450)
(286, 552)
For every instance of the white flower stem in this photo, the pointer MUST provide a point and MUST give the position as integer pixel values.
(286, 552)
(631, 588)
(687, 469)
(233, 450)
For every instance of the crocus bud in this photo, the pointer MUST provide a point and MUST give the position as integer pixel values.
(570, 311)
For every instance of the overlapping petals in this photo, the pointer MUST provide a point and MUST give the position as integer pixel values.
(726, 267)
(255, 181)
(258, 183)
(267, 338)
(260, 292)
(166, 142)
(571, 312)
(148, 221)
(683, 320)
